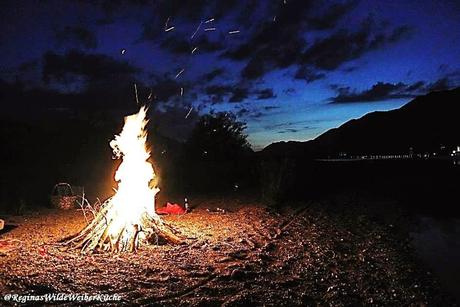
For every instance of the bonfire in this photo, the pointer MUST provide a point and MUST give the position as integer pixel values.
(128, 219)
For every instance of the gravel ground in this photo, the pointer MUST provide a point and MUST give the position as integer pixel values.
(308, 254)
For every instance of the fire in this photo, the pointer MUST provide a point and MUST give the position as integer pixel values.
(128, 219)
(134, 196)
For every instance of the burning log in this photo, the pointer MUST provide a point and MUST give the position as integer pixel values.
(128, 218)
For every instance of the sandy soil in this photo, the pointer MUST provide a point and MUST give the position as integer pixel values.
(250, 255)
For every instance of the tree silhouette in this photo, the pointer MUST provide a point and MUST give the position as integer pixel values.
(217, 153)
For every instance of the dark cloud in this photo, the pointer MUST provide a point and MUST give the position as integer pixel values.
(274, 44)
(213, 74)
(307, 74)
(238, 94)
(76, 36)
(385, 91)
(242, 112)
(235, 93)
(401, 33)
(266, 93)
(171, 122)
(439, 85)
(90, 66)
(279, 44)
(332, 15)
(289, 130)
(289, 91)
(178, 45)
(217, 93)
(379, 91)
(343, 46)
(286, 125)
(165, 89)
(190, 11)
(269, 108)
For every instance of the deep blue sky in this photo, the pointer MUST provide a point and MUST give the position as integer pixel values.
(294, 69)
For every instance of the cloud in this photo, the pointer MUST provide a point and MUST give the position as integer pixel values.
(90, 66)
(268, 108)
(307, 74)
(238, 94)
(332, 15)
(281, 43)
(289, 130)
(287, 125)
(385, 91)
(379, 91)
(210, 76)
(179, 45)
(164, 89)
(76, 36)
(343, 45)
(217, 93)
(266, 93)
(171, 121)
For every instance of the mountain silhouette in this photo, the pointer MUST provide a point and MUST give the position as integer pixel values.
(428, 123)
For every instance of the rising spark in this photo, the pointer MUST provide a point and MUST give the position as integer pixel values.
(194, 49)
(234, 32)
(135, 91)
(196, 31)
(210, 29)
(189, 112)
(209, 20)
(179, 73)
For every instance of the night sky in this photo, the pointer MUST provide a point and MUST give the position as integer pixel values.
(289, 69)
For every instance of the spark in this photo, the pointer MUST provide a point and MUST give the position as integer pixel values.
(179, 73)
(189, 112)
(135, 91)
(209, 20)
(194, 49)
(167, 29)
(181, 91)
(274, 18)
(234, 32)
(210, 29)
(196, 31)
(123, 51)
(150, 95)
(166, 23)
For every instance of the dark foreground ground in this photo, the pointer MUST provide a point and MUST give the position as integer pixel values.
(309, 254)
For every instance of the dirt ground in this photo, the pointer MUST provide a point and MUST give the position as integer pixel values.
(308, 254)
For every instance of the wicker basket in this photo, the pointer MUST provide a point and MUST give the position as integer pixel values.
(63, 196)
(64, 202)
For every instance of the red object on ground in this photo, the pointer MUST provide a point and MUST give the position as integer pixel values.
(171, 209)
